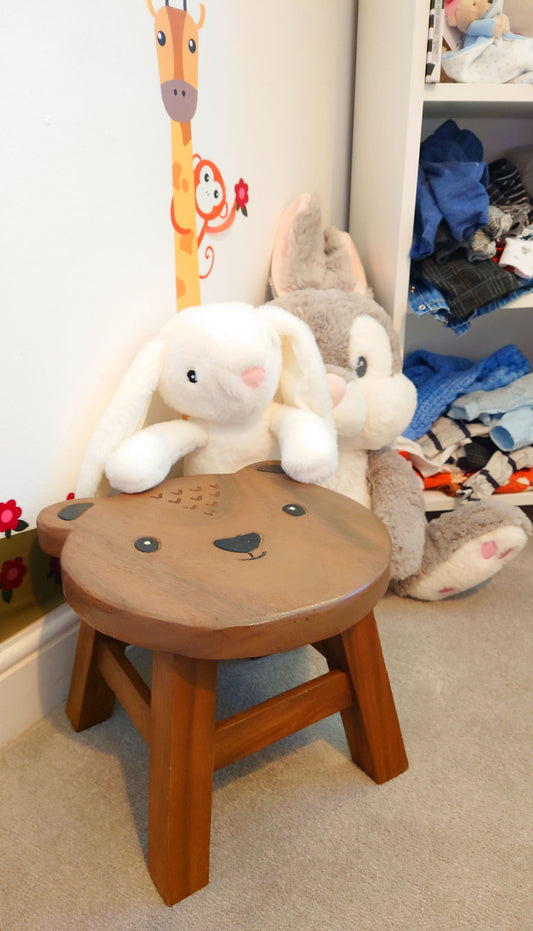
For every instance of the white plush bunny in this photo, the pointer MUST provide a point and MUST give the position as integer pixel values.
(252, 385)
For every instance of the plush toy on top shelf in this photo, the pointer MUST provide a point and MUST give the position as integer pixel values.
(251, 384)
(489, 51)
(470, 17)
(430, 560)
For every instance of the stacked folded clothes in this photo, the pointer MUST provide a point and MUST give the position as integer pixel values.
(472, 220)
(472, 432)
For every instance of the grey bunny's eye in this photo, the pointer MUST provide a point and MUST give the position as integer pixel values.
(191, 375)
(361, 367)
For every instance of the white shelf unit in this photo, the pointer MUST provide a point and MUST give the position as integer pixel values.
(393, 111)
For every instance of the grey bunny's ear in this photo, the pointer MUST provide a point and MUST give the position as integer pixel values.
(307, 256)
(123, 416)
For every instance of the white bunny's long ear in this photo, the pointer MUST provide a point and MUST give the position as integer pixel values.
(303, 381)
(123, 416)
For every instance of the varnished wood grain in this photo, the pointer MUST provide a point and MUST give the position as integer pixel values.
(221, 566)
(181, 774)
(196, 598)
(90, 699)
(126, 683)
(257, 727)
(371, 723)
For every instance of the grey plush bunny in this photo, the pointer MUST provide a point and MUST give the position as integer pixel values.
(317, 275)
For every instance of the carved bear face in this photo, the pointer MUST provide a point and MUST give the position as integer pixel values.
(214, 553)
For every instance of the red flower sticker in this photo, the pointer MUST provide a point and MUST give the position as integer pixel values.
(241, 194)
(11, 576)
(10, 517)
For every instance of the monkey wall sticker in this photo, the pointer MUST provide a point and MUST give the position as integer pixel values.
(212, 205)
(198, 196)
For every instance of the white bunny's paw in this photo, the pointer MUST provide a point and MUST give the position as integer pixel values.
(141, 462)
(312, 456)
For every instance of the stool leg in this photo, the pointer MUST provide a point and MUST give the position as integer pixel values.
(371, 724)
(90, 699)
(181, 773)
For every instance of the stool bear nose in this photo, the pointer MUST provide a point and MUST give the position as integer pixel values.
(241, 543)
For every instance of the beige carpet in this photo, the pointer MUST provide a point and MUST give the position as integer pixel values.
(302, 840)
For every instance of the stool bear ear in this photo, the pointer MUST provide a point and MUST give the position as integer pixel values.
(55, 523)
(73, 511)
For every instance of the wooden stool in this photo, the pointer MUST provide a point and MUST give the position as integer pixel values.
(215, 567)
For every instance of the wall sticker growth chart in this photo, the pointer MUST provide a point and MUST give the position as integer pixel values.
(198, 189)
(30, 583)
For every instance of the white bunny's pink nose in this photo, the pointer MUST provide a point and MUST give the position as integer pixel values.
(337, 388)
(253, 377)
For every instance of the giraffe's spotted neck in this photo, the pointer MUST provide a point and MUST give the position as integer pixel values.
(184, 217)
(176, 36)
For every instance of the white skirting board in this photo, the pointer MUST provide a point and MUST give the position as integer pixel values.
(35, 668)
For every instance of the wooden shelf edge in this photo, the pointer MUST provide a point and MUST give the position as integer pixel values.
(446, 92)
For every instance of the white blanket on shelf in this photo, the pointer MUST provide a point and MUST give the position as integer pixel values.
(508, 59)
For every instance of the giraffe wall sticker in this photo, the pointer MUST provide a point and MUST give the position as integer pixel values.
(177, 53)
(198, 189)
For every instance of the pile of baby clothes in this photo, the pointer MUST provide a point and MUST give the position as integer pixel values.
(467, 212)
(472, 432)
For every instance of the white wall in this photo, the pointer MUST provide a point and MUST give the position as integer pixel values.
(86, 247)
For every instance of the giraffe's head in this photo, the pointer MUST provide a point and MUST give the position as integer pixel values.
(176, 36)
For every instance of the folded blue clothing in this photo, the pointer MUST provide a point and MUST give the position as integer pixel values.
(450, 142)
(425, 298)
(452, 186)
(454, 192)
(514, 430)
(441, 379)
(488, 406)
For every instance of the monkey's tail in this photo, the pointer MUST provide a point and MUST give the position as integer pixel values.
(209, 254)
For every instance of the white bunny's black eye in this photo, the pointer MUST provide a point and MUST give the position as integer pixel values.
(191, 375)
(147, 544)
(361, 366)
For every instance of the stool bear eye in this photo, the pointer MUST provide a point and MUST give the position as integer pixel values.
(295, 510)
(147, 544)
